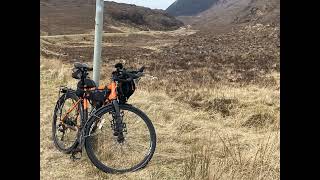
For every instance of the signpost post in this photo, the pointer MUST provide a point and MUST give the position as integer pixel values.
(98, 41)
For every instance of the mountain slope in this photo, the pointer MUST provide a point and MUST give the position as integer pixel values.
(227, 13)
(189, 7)
(78, 16)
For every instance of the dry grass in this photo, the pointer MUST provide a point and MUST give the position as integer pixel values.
(215, 119)
(201, 142)
(231, 160)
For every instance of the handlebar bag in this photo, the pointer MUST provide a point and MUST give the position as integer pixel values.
(126, 89)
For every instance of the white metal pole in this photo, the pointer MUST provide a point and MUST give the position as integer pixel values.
(98, 41)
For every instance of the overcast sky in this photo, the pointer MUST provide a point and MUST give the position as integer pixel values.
(153, 4)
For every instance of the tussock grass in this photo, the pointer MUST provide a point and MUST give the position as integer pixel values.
(229, 159)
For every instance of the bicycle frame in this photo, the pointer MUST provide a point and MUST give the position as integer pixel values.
(85, 102)
(69, 111)
(113, 87)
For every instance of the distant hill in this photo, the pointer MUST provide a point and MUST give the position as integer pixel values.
(77, 16)
(189, 7)
(226, 13)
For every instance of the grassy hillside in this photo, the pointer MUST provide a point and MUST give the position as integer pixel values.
(75, 17)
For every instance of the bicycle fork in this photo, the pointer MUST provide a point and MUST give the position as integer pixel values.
(119, 126)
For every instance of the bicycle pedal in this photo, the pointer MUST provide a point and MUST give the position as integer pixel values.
(74, 155)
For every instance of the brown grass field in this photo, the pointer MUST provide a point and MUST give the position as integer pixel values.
(215, 105)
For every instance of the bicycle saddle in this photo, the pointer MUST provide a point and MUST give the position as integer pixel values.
(79, 65)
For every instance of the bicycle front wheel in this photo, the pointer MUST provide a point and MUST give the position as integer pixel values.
(109, 154)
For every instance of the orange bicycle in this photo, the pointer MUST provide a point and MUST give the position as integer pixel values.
(117, 137)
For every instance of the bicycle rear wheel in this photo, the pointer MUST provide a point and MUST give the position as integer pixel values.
(109, 154)
(65, 134)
